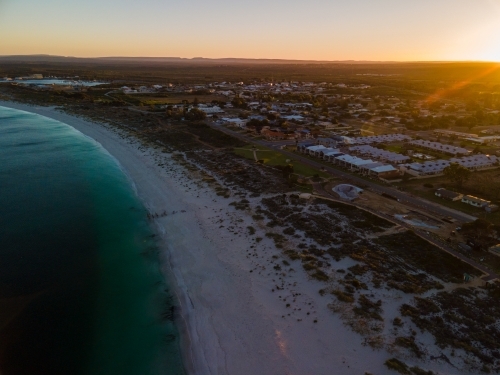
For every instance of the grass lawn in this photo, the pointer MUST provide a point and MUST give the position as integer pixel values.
(416, 187)
(493, 217)
(394, 148)
(245, 152)
(173, 98)
(272, 157)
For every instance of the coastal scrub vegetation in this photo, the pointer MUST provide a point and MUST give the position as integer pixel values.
(401, 367)
(465, 318)
(320, 233)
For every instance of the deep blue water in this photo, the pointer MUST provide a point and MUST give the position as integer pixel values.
(80, 286)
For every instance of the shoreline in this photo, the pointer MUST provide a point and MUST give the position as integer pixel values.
(87, 129)
(232, 292)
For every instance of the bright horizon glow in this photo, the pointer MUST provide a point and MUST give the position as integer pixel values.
(384, 30)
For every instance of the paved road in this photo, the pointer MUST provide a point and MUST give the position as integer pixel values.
(414, 202)
(489, 274)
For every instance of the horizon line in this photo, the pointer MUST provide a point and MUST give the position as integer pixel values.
(245, 58)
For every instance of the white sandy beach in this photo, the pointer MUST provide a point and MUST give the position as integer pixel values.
(234, 322)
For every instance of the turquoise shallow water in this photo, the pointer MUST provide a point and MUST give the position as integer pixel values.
(80, 286)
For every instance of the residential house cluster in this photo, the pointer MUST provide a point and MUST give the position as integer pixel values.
(377, 153)
(467, 199)
(436, 167)
(385, 138)
(436, 146)
(210, 110)
(364, 166)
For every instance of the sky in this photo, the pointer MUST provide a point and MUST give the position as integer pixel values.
(381, 30)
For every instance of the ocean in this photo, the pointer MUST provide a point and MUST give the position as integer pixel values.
(81, 290)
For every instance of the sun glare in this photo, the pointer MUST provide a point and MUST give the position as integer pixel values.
(484, 43)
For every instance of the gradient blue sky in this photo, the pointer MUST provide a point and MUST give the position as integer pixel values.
(289, 29)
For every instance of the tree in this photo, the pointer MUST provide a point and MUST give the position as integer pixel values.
(470, 122)
(480, 115)
(238, 102)
(457, 173)
(195, 114)
(271, 116)
(482, 231)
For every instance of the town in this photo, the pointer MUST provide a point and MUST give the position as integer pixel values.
(382, 137)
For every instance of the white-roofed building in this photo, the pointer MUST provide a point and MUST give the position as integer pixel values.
(367, 167)
(436, 167)
(327, 142)
(302, 147)
(324, 151)
(235, 121)
(428, 168)
(384, 171)
(350, 161)
(436, 146)
(330, 155)
(377, 153)
(384, 138)
(210, 110)
(475, 201)
(312, 150)
(475, 162)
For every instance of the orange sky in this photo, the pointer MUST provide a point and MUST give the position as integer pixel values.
(316, 29)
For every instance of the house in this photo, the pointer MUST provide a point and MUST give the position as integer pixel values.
(448, 194)
(436, 146)
(330, 155)
(313, 150)
(366, 169)
(303, 134)
(235, 122)
(475, 162)
(302, 147)
(475, 201)
(428, 168)
(385, 171)
(326, 151)
(450, 133)
(391, 157)
(384, 138)
(436, 167)
(272, 135)
(128, 90)
(327, 125)
(491, 208)
(495, 249)
(327, 142)
(352, 162)
(210, 110)
(293, 117)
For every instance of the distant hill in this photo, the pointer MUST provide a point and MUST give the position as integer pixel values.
(229, 60)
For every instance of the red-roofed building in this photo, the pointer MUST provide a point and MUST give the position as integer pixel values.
(273, 135)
